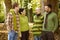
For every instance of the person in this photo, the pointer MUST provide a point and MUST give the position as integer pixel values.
(50, 23)
(13, 22)
(24, 24)
(37, 24)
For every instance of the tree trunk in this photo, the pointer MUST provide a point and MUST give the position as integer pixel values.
(8, 5)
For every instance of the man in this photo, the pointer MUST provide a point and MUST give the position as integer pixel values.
(50, 22)
(38, 24)
(13, 22)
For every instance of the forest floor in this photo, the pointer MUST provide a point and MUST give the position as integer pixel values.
(4, 32)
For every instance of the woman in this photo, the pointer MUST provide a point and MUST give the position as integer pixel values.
(24, 24)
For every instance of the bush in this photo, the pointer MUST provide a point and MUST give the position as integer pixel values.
(2, 17)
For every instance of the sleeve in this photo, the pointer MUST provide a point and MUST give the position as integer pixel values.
(55, 23)
(8, 21)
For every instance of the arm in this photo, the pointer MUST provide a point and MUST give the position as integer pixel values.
(8, 21)
(55, 22)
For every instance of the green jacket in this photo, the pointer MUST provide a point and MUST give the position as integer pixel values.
(24, 23)
(38, 25)
(52, 22)
(24, 26)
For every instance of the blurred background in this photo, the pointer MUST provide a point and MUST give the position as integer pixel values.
(30, 6)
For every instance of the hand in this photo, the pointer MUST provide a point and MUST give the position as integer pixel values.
(20, 36)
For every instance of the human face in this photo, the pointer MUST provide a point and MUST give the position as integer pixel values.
(38, 11)
(46, 8)
(24, 12)
(50, 10)
(17, 8)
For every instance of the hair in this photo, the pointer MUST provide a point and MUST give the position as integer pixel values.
(15, 5)
(38, 8)
(21, 10)
(50, 6)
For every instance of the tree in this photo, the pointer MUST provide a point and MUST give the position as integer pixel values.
(8, 5)
(2, 15)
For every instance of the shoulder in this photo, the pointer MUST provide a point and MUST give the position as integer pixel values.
(34, 16)
(41, 16)
(44, 14)
(26, 16)
(54, 14)
(11, 11)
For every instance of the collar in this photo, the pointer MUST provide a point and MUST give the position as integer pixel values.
(38, 14)
(50, 12)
